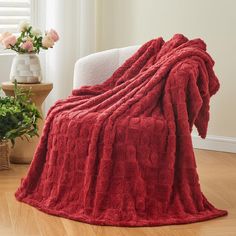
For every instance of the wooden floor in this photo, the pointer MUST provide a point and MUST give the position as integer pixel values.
(217, 173)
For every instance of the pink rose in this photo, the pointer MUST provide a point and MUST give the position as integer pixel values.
(4, 35)
(28, 46)
(53, 35)
(47, 42)
(9, 41)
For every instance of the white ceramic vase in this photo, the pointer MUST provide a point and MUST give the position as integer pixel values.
(26, 69)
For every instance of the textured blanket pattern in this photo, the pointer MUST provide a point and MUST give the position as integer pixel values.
(120, 153)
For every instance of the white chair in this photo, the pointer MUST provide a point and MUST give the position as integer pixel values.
(96, 68)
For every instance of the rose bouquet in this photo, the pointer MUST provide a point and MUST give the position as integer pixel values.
(30, 39)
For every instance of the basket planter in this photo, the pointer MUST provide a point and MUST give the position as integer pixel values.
(4, 155)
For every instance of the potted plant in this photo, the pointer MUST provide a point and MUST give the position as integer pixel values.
(18, 118)
(26, 65)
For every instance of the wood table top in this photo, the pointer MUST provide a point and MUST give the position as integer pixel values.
(34, 87)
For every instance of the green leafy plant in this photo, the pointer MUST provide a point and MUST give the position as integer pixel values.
(18, 116)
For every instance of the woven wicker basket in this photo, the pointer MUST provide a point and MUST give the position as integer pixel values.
(4, 155)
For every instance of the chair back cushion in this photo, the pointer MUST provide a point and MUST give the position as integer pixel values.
(96, 68)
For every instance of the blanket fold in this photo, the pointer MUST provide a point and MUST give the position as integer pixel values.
(120, 153)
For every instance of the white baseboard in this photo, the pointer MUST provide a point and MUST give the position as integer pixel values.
(215, 143)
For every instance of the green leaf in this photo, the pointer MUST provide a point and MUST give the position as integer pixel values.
(18, 115)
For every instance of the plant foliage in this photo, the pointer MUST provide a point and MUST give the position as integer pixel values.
(18, 116)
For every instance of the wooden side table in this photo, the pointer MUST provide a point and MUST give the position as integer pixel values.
(23, 150)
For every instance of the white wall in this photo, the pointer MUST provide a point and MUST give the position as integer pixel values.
(129, 22)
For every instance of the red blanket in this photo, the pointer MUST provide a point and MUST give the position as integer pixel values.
(120, 153)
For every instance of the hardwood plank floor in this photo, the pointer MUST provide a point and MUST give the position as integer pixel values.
(217, 172)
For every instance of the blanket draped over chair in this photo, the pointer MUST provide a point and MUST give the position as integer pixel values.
(120, 153)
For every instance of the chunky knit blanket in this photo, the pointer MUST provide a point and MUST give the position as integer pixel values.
(120, 153)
